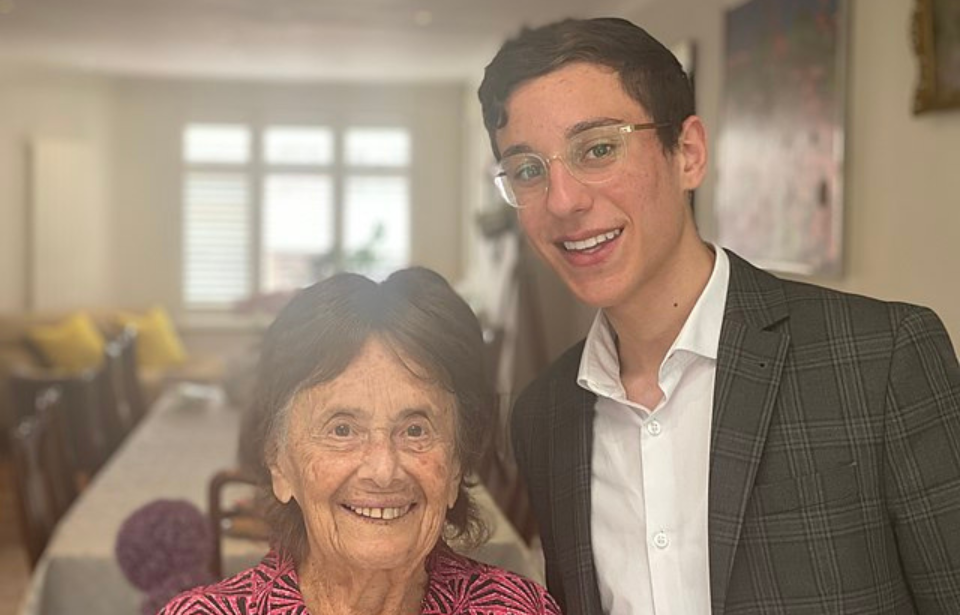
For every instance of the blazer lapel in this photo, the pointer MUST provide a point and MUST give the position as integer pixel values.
(570, 454)
(749, 363)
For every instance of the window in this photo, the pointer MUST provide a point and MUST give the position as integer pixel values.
(278, 208)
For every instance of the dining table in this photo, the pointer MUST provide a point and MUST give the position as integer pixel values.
(188, 435)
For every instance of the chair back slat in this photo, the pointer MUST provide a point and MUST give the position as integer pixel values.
(85, 442)
(136, 399)
(234, 519)
(122, 400)
(112, 415)
(42, 475)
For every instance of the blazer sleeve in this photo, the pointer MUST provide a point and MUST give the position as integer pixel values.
(528, 450)
(922, 459)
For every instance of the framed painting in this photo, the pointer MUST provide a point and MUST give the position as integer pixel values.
(936, 38)
(780, 153)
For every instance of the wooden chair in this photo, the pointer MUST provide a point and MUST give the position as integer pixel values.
(109, 417)
(43, 479)
(123, 399)
(235, 519)
(501, 478)
(498, 470)
(521, 330)
(85, 443)
(133, 391)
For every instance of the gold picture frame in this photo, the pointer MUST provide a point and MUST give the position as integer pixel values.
(936, 39)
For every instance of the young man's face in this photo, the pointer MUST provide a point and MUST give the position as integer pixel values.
(610, 242)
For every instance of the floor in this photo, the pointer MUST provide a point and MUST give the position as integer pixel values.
(14, 572)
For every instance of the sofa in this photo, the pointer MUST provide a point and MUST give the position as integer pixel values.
(19, 353)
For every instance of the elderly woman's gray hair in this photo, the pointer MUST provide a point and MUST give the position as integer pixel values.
(320, 332)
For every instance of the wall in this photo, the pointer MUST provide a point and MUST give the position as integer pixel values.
(69, 229)
(72, 109)
(902, 218)
(134, 127)
(150, 118)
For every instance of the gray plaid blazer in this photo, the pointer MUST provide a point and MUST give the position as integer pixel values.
(834, 458)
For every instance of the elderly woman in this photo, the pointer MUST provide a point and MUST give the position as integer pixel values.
(372, 410)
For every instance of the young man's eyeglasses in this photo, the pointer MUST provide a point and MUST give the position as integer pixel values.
(592, 157)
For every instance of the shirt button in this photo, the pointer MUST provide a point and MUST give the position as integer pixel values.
(653, 428)
(660, 540)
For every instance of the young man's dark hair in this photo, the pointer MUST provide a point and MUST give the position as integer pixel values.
(648, 71)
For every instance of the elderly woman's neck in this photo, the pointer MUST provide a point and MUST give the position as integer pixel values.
(344, 591)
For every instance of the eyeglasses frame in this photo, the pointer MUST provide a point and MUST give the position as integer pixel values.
(622, 129)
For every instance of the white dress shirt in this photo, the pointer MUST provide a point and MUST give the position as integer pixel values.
(651, 469)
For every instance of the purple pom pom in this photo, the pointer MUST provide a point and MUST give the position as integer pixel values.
(165, 543)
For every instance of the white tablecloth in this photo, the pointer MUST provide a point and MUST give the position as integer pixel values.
(173, 454)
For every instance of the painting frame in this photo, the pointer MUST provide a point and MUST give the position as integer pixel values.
(938, 85)
(780, 192)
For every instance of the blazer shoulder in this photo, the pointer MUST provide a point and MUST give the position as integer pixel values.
(805, 299)
(813, 313)
(753, 290)
(858, 327)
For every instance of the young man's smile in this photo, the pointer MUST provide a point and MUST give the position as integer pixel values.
(614, 240)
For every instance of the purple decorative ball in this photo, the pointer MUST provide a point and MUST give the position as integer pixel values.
(165, 543)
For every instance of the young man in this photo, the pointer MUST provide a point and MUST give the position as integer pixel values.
(723, 441)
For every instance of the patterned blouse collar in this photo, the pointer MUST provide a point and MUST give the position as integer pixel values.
(274, 585)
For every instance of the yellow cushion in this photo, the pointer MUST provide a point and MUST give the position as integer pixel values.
(158, 344)
(74, 344)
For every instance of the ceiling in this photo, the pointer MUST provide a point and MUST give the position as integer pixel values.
(357, 40)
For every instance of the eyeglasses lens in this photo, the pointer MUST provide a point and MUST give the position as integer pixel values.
(591, 157)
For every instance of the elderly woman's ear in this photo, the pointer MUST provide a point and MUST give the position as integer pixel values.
(281, 486)
(454, 489)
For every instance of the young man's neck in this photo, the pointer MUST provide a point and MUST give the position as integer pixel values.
(646, 326)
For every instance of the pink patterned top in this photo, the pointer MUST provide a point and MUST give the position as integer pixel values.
(457, 586)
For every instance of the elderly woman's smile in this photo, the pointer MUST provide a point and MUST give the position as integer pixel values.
(380, 513)
(370, 458)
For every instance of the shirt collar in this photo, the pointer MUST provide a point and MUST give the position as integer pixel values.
(600, 364)
(701, 332)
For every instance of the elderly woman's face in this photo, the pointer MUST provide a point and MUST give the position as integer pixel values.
(370, 459)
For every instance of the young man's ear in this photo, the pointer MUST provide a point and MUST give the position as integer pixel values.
(692, 152)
